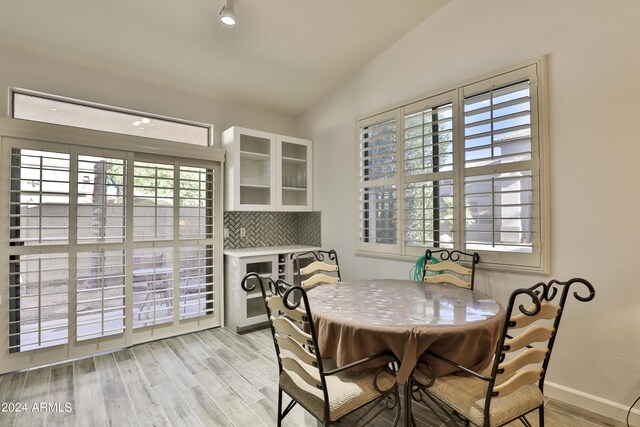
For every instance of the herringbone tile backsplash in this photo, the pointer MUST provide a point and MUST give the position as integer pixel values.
(272, 229)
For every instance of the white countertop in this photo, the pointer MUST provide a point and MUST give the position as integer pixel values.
(268, 250)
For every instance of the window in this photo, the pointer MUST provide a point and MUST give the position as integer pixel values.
(460, 170)
(46, 108)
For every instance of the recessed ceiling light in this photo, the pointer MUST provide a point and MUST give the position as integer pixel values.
(136, 123)
(146, 121)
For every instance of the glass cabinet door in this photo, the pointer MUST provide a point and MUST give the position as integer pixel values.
(294, 174)
(251, 169)
(267, 172)
(254, 303)
(255, 170)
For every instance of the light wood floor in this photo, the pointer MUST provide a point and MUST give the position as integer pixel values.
(210, 378)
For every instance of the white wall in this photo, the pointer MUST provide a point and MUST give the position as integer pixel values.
(594, 96)
(29, 72)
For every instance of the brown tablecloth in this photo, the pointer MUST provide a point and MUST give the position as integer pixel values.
(355, 320)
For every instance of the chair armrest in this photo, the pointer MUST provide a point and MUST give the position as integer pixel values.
(362, 361)
(460, 367)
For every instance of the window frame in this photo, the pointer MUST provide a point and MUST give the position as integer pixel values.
(13, 91)
(536, 262)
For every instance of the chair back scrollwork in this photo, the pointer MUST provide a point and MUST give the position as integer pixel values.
(450, 266)
(316, 267)
(292, 328)
(301, 372)
(520, 360)
(529, 333)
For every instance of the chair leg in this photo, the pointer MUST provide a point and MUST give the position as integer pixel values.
(279, 407)
(396, 419)
(523, 419)
(541, 413)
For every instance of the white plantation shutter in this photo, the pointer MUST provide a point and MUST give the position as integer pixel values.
(428, 151)
(428, 140)
(497, 126)
(499, 212)
(68, 233)
(429, 214)
(153, 201)
(461, 170)
(196, 275)
(501, 169)
(378, 151)
(101, 199)
(39, 197)
(39, 237)
(196, 281)
(38, 300)
(100, 293)
(379, 215)
(152, 286)
(196, 185)
(82, 276)
(377, 192)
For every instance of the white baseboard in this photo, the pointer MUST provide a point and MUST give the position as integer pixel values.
(592, 403)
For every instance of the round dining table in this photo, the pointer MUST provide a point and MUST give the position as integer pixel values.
(354, 320)
(361, 318)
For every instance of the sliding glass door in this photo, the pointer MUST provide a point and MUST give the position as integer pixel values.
(106, 248)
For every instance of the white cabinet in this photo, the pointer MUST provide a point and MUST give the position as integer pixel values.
(245, 311)
(267, 172)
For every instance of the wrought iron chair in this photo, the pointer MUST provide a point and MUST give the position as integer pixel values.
(510, 387)
(319, 270)
(442, 266)
(329, 395)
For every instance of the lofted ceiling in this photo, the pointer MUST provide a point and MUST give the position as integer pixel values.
(284, 55)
